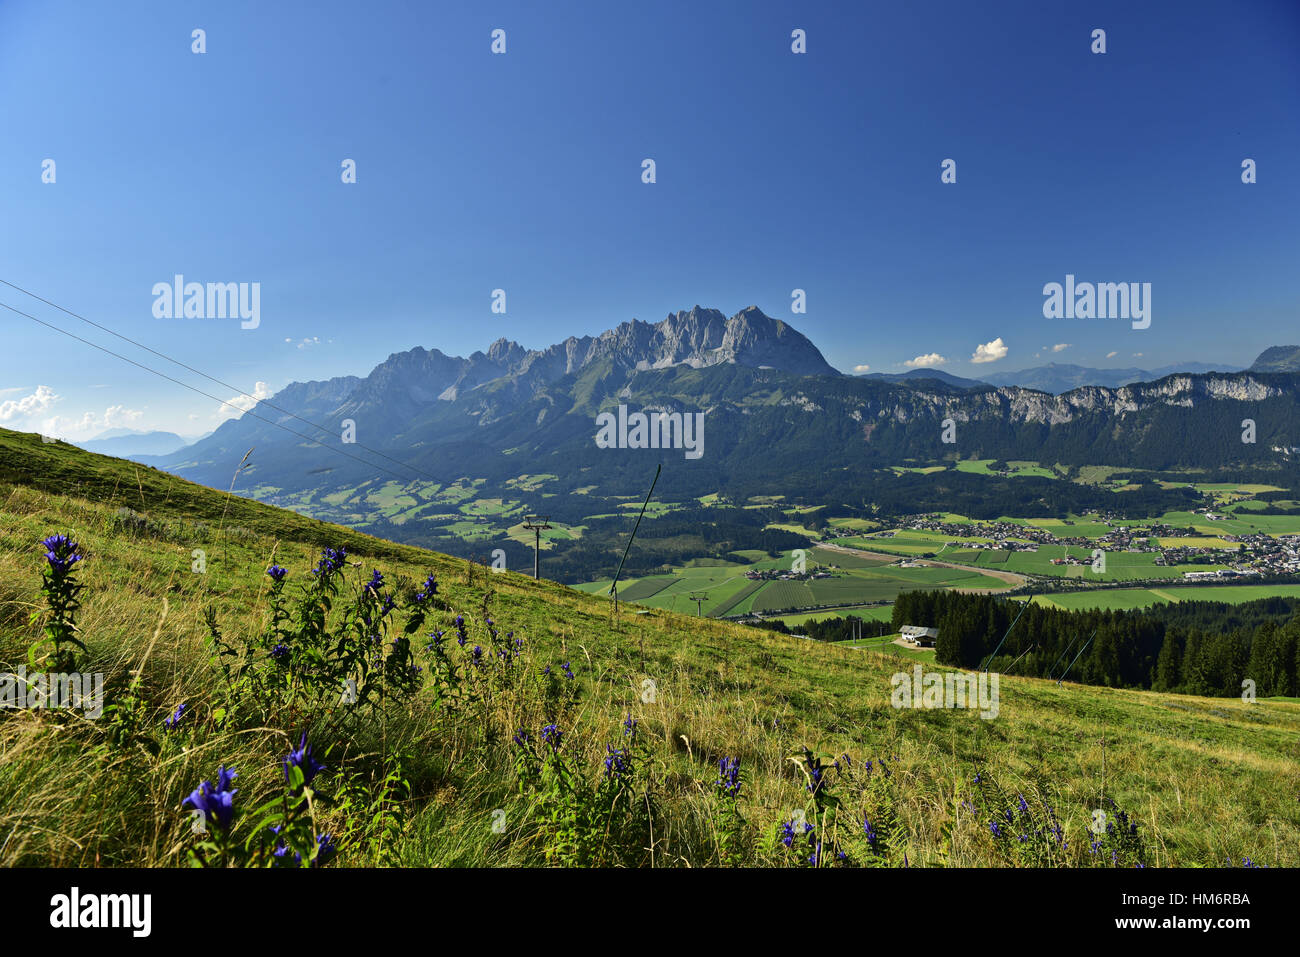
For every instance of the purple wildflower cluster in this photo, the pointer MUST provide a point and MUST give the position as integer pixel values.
(173, 722)
(618, 763)
(215, 801)
(435, 642)
(789, 832)
(61, 552)
(302, 759)
(427, 590)
(331, 561)
(552, 736)
(510, 650)
(1035, 835)
(728, 782)
(325, 843)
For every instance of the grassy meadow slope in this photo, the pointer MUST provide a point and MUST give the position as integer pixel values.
(435, 779)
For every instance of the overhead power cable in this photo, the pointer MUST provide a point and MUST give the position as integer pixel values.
(186, 385)
(224, 385)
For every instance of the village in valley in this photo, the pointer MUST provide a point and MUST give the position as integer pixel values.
(1240, 554)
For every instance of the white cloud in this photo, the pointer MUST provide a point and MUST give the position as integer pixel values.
(1111, 355)
(118, 416)
(862, 368)
(1061, 346)
(240, 404)
(990, 351)
(36, 402)
(91, 424)
(308, 342)
(926, 361)
(1137, 355)
(74, 428)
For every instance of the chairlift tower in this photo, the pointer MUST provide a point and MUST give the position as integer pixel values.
(537, 524)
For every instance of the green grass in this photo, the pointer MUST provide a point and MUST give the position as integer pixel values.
(779, 595)
(865, 612)
(829, 557)
(858, 579)
(1017, 469)
(1206, 779)
(645, 588)
(1127, 598)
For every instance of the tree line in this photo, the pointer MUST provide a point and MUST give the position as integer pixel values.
(1198, 647)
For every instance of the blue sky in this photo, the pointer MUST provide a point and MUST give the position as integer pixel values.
(522, 171)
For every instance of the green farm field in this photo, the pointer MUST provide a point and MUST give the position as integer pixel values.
(860, 579)
(1127, 598)
(865, 612)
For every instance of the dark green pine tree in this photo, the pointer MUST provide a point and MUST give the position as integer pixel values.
(1169, 664)
(1267, 667)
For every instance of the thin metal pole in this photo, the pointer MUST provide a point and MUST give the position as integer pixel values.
(614, 585)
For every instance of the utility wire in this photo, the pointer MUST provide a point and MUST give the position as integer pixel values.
(225, 385)
(186, 385)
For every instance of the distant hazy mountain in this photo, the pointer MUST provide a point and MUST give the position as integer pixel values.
(1278, 359)
(130, 443)
(915, 376)
(1057, 378)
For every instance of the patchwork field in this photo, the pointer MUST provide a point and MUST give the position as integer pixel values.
(858, 579)
(1120, 566)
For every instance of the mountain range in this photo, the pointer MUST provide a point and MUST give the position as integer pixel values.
(778, 415)
(1057, 377)
(1060, 377)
